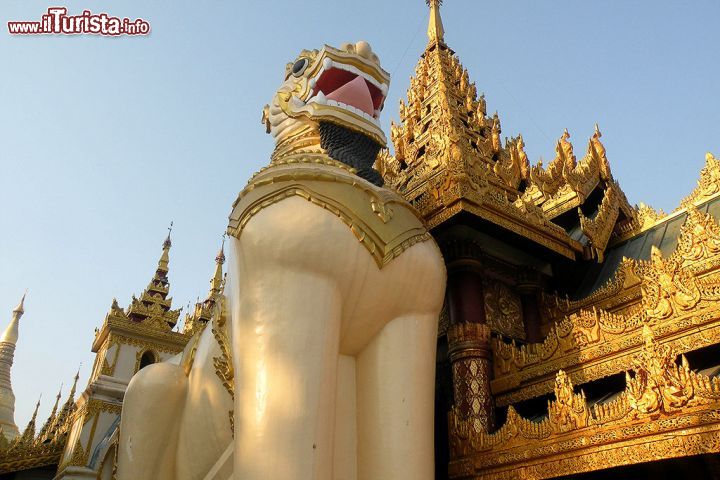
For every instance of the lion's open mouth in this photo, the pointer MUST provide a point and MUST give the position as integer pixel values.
(345, 86)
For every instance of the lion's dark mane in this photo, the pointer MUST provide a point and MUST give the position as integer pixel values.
(351, 148)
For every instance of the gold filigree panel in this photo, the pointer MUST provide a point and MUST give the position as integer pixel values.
(678, 295)
(503, 310)
(664, 404)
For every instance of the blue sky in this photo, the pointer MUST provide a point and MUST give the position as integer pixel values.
(104, 141)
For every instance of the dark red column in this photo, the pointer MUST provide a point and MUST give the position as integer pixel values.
(469, 350)
(531, 317)
(529, 285)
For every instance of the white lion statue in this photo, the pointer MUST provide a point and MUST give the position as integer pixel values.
(333, 295)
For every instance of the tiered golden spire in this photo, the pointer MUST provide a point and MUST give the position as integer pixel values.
(154, 306)
(29, 433)
(450, 157)
(47, 428)
(203, 310)
(444, 124)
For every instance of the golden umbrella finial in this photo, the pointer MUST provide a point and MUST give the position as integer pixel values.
(435, 27)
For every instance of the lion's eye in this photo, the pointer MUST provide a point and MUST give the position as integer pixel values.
(299, 67)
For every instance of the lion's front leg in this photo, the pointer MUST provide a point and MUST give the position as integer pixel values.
(395, 398)
(285, 339)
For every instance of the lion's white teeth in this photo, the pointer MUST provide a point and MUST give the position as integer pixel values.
(312, 83)
(384, 89)
(296, 102)
(377, 113)
(319, 98)
(327, 63)
(349, 108)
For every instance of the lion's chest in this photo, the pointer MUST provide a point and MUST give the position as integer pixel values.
(366, 240)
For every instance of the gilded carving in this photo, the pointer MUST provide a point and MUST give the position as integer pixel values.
(223, 364)
(385, 232)
(658, 384)
(674, 403)
(599, 228)
(503, 310)
(569, 410)
(675, 294)
(700, 236)
(708, 185)
(647, 216)
(666, 287)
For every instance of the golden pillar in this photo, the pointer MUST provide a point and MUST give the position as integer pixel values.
(470, 357)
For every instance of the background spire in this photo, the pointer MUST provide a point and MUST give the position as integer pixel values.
(11, 333)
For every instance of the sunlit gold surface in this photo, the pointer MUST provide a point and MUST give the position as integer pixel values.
(678, 295)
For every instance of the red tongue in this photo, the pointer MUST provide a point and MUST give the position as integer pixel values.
(355, 93)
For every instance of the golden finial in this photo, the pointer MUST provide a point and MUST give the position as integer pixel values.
(435, 27)
(165, 257)
(167, 243)
(597, 133)
(59, 396)
(77, 377)
(216, 282)
(29, 433)
(11, 333)
(37, 406)
(21, 306)
(220, 258)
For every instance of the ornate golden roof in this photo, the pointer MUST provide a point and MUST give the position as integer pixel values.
(596, 336)
(30, 450)
(449, 158)
(646, 217)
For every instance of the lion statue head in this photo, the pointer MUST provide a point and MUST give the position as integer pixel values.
(330, 104)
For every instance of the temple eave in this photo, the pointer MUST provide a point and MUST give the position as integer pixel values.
(694, 431)
(548, 238)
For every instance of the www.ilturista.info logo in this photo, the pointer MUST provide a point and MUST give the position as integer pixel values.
(58, 22)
